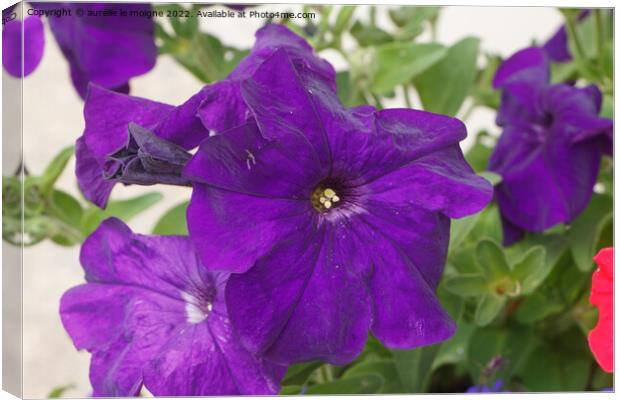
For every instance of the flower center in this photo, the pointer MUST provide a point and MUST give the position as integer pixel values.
(197, 308)
(324, 198)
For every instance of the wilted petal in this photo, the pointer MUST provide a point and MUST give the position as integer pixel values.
(147, 160)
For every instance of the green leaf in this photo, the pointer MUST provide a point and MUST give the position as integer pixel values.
(173, 222)
(467, 285)
(69, 212)
(385, 368)
(538, 306)
(499, 352)
(531, 271)
(343, 18)
(415, 367)
(403, 16)
(444, 87)
(554, 370)
(369, 35)
(586, 229)
(54, 169)
(65, 207)
(204, 56)
(491, 258)
(122, 209)
(454, 350)
(478, 155)
(607, 109)
(492, 177)
(489, 306)
(290, 390)
(398, 62)
(363, 384)
(460, 228)
(59, 391)
(298, 374)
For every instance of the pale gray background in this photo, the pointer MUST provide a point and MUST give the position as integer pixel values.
(53, 120)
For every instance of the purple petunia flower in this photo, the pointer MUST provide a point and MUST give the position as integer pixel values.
(213, 109)
(550, 150)
(107, 50)
(335, 220)
(151, 314)
(33, 43)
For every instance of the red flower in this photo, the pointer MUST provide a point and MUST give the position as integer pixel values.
(601, 338)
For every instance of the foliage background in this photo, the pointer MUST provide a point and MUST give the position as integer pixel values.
(53, 120)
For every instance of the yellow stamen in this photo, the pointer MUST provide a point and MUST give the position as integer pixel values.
(327, 204)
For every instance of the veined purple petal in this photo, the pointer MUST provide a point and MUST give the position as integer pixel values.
(33, 44)
(219, 220)
(223, 107)
(439, 182)
(284, 110)
(323, 310)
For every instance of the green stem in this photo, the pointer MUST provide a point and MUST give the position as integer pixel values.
(571, 28)
(598, 22)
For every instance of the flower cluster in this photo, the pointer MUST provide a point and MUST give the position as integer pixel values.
(311, 225)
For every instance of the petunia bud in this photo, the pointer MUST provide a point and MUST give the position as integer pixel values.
(147, 159)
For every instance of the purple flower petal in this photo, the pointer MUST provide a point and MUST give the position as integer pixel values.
(407, 312)
(217, 228)
(151, 311)
(244, 161)
(557, 46)
(34, 43)
(285, 111)
(440, 182)
(223, 108)
(106, 50)
(525, 65)
(321, 309)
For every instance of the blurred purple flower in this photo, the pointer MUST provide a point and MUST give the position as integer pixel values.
(335, 220)
(151, 314)
(496, 388)
(33, 43)
(214, 108)
(550, 150)
(107, 50)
